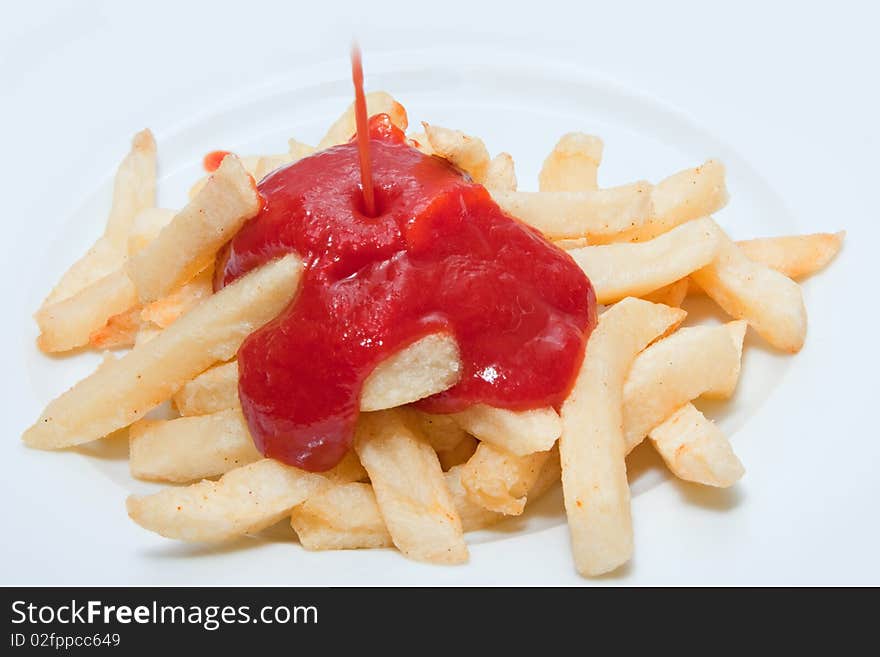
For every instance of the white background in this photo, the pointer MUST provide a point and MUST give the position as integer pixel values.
(792, 86)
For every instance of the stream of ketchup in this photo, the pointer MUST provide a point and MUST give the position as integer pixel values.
(431, 252)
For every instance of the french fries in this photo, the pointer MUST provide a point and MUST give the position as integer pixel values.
(183, 247)
(124, 390)
(695, 449)
(215, 437)
(621, 270)
(572, 165)
(424, 368)
(410, 490)
(519, 432)
(378, 102)
(242, 501)
(134, 190)
(188, 244)
(69, 323)
(347, 517)
(682, 197)
(795, 256)
(674, 371)
(594, 214)
(413, 480)
(592, 447)
(467, 153)
(767, 300)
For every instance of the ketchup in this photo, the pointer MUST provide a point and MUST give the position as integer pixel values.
(360, 113)
(213, 160)
(434, 254)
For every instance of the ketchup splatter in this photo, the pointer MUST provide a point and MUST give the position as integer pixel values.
(436, 254)
(213, 160)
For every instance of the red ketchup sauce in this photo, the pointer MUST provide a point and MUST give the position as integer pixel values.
(439, 255)
(213, 160)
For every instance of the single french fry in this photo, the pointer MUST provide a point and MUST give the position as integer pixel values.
(69, 323)
(378, 102)
(422, 369)
(242, 501)
(467, 153)
(458, 454)
(559, 215)
(190, 448)
(696, 450)
(146, 227)
(410, 489)
(126, 389)
(134, 190)
(770, 302)
(498, 480)
(518, 432)
(572, 165)
(795, 256)
(669, 295)
(592, 448)
(501, 173)
(635, 269)
(682, 197)
(672, 372)
(189, 243)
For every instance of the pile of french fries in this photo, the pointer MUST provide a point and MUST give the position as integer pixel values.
(415, 481)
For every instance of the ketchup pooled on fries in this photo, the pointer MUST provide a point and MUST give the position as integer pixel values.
(436, 254)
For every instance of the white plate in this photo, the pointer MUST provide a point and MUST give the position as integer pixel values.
(803, 513)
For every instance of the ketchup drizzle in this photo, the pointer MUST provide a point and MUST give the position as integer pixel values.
(363, 139)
